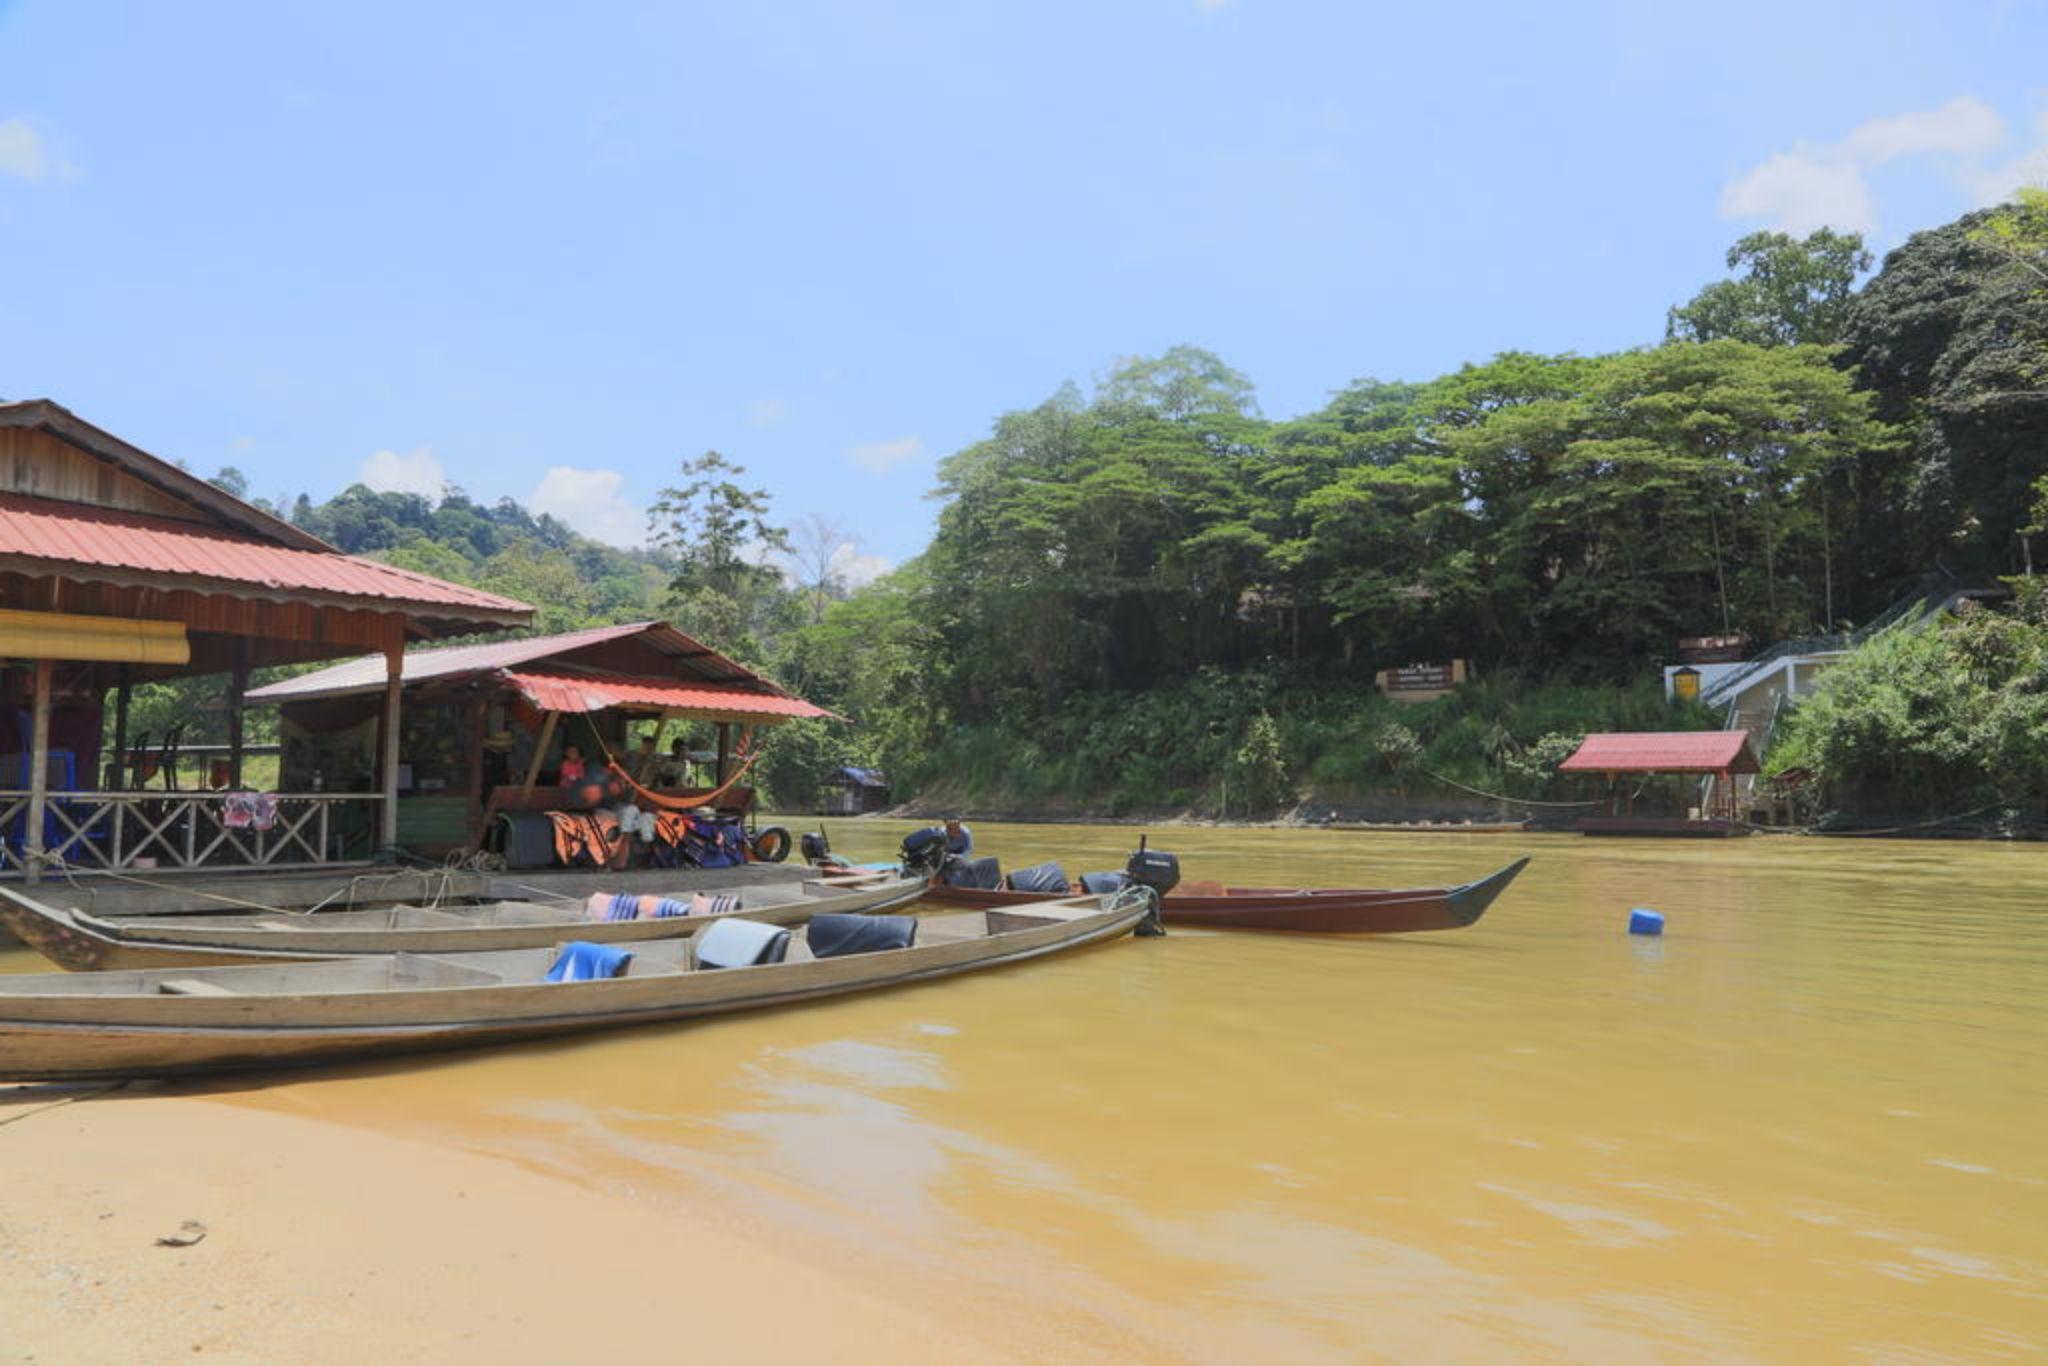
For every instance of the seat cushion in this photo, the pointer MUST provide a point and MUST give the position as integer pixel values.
(981, 873)
(736, 943)
(831, 936)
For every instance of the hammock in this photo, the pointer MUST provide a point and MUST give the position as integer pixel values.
(646, 797)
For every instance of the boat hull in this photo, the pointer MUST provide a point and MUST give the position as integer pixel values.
(84, 943)
(54, 1028)
(1302, 910)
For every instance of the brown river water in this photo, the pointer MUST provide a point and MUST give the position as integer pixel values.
(1811, 1120)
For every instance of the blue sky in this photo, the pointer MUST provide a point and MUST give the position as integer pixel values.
(548, 251)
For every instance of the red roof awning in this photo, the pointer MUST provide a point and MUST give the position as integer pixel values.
(1678, 751)
(87, 542)
(596, 692)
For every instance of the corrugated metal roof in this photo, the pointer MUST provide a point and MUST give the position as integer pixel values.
(1678, 751)
(446, 661)
(74, 534)
(596, 692)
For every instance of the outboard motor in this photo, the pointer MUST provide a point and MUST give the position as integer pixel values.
(817, 849)
(924, 852)
(1154, 869)
(1158, 873)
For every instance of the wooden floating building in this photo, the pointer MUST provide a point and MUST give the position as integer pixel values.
(118, 568)
(1719, 754)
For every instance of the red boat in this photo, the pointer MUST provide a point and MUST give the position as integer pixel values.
(1316, 910)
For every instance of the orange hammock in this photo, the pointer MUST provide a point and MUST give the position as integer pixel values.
(648, 797)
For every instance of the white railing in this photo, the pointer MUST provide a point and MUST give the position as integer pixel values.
(129, 830)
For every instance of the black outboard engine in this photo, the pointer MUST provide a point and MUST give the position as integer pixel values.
(1158, 873)
(924, 851)
(818, 850)
(1154, 869)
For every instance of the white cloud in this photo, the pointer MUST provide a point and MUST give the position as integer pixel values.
(1801, 191)
(767, 412)
(1995, 184)
(1963, 127)
(23, 155)
(1817, 185)
(858, 570)
(417, 471)
(879, 457)
(589, 501)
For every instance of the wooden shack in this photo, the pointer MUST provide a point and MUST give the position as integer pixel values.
(486, 727)
(118, 568)
(853, 791)
(1716, 755)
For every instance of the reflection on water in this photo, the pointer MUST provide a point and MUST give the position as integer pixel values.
(1806, 1120)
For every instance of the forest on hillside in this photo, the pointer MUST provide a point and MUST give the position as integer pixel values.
(1149, 595)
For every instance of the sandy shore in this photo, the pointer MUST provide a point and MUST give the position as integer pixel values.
(324, 1243)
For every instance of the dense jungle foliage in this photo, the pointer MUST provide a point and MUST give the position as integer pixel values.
(1149, 595)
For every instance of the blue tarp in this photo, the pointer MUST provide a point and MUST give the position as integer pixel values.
(864, 777)
(582, 961)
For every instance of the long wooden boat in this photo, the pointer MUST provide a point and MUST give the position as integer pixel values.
(76, 939)
(1317, 910)
(163, 1022)
(1663, 827)
(1429, 827)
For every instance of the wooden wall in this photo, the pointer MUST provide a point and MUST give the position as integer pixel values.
(37, 463)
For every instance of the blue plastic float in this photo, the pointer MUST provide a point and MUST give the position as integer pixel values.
(1641, 921)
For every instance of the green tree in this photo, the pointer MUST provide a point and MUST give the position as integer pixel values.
(1790, 292)
(719, 537)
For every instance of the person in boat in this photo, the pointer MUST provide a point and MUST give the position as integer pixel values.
(573, 767)
(959, 839)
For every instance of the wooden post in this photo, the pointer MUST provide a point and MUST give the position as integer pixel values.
(238, 684)
(479, 708)
(121, 691)
(394, 682)
(724, 753)
(38, 771)
(540, 752)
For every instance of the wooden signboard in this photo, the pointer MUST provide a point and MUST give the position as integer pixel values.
(1421, 682)
(1713, 649)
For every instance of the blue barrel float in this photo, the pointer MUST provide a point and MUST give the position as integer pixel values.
(1641, 921)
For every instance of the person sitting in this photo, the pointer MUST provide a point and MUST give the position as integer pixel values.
(676, 772)
(645, 765)
(959, 839)
(573, 766)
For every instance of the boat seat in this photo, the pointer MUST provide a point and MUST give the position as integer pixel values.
(735, 943)
(191, 986)
(831, 936)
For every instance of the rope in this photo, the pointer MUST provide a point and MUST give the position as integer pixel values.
(1526, 801)
(83, 1095)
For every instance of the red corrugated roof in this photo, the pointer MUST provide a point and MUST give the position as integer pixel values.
(692, 657)
(596, 692)
(1676, 751)
(75, 534)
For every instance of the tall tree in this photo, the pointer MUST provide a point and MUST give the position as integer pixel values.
(721, 539)
(1790, 292)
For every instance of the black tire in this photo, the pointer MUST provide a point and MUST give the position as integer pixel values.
(772, 845)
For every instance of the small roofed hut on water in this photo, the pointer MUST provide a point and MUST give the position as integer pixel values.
(553, 750)
(118, 568)
(1712, 759)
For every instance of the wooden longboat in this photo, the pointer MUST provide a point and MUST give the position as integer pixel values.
(164, 1022)
(75, 939)
(1317, 910)
(1428, 827)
